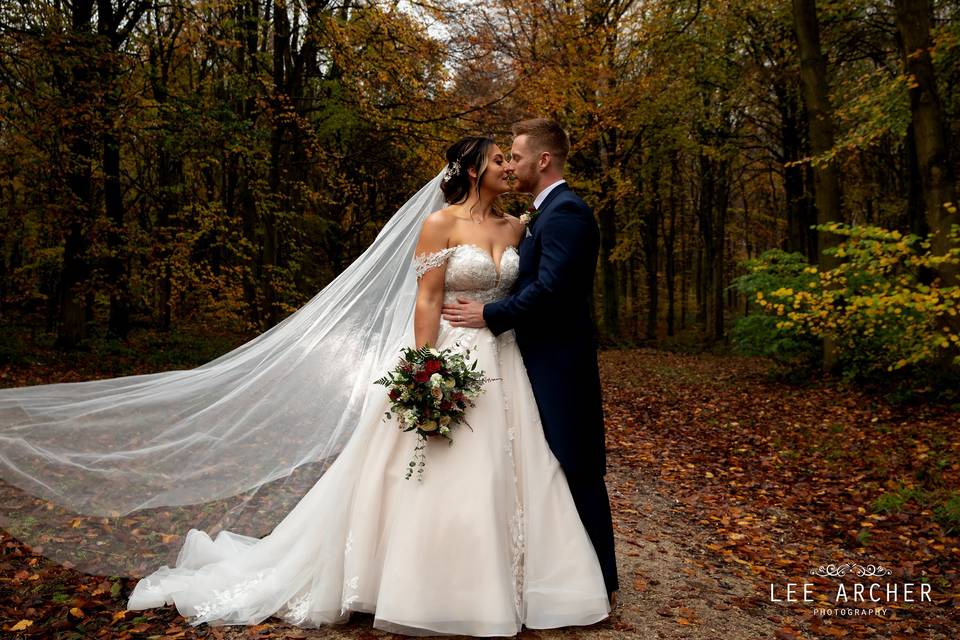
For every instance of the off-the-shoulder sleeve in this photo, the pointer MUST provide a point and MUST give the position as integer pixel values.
(426, 261)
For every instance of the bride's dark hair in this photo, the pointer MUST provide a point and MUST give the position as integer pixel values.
(467, 153)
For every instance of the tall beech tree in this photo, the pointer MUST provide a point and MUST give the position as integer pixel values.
(820, 122)
(929, 128)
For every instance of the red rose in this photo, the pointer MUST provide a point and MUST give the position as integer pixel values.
(421, 376)
(445, 406)
(394, 394)
(432, 366)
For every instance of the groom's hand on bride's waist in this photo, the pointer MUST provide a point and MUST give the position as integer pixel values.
(464, 313)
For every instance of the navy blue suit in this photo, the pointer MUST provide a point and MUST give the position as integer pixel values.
(549, 310)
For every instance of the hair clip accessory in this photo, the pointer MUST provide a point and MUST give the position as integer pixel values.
(452, 170)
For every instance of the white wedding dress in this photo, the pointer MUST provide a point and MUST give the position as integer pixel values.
(488, 542)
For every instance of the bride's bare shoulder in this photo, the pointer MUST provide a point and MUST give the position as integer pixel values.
(447, 215)
(437, 225)
(441, 218)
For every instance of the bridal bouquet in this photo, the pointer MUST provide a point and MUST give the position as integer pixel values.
(429, 392)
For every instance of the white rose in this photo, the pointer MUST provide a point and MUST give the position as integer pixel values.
(436, 380)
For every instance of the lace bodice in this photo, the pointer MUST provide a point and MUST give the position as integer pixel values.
(471, 272)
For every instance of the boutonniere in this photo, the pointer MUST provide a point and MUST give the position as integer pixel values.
(529, 216)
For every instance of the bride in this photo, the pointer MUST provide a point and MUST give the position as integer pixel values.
(490, 540)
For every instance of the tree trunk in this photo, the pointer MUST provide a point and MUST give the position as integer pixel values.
(281, 104)
(75, 269)
(800, 237)
(669, 245)
(119, 322)
(116, 264)
(169, 180)
(684, 276)
(826, 179)
(708, 260)
(929, 130)
(239, 195)
(113, 33)
(608, 242)
(718, 272)
(636, 267)
(915, 221)
(651, 245)
(699, 288)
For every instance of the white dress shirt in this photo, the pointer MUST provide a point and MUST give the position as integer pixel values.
(543, 194)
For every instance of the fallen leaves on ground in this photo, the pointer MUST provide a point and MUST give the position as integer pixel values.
(787, 476)
(784, 477)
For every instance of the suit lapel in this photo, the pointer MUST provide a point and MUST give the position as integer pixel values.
(526, 261)
(545, 205)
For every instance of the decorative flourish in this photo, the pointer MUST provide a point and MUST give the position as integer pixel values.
(839, 570)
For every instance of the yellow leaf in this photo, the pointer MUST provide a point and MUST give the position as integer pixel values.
(77, 611)
(20, 626)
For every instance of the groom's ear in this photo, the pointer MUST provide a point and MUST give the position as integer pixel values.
(544, 161)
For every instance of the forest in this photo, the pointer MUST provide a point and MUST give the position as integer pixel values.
(173, 164)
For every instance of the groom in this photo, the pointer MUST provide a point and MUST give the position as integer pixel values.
(550, 311)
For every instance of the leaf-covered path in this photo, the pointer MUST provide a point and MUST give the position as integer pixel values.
(722, 481)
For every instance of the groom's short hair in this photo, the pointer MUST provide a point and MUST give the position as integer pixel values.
(544, 134)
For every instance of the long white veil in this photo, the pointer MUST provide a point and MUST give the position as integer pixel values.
(108, 475)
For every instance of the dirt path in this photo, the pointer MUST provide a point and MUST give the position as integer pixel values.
(666, 591)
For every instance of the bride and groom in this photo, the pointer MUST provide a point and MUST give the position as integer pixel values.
(511, 526)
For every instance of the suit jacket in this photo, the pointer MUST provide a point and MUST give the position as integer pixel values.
(549, 309)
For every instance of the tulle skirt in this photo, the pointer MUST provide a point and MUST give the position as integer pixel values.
(488, 542)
